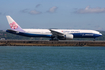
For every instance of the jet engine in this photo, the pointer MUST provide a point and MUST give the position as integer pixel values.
(69, 36)
(66, 37)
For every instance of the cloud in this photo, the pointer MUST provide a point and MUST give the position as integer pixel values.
(25, 10)
(34, 12)
(90, 10)
(38, 5)
(52, 9)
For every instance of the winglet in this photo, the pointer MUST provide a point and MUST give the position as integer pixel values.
(14, 25)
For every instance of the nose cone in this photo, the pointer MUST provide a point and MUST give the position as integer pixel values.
(100, 34)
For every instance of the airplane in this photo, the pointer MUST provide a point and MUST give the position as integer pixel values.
(53, 34)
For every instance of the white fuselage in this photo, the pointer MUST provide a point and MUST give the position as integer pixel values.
(76, 33)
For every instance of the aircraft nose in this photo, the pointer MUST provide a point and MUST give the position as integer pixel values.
(100, 34)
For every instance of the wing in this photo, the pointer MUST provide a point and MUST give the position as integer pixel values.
(61, 35)
(56, 33)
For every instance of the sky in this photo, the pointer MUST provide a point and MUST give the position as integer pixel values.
(62, 14)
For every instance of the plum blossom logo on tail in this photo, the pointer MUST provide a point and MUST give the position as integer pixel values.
(13, 25)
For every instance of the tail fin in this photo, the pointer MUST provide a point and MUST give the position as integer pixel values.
(14, 25)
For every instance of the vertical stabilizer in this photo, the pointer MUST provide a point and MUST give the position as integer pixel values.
(14, 25)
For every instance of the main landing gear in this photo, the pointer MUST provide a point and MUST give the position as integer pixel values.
(53, 39)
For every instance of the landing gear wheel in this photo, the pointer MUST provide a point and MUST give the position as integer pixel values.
(53, 39)
(94, 39)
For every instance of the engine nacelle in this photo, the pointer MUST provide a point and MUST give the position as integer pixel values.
(68, 36)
